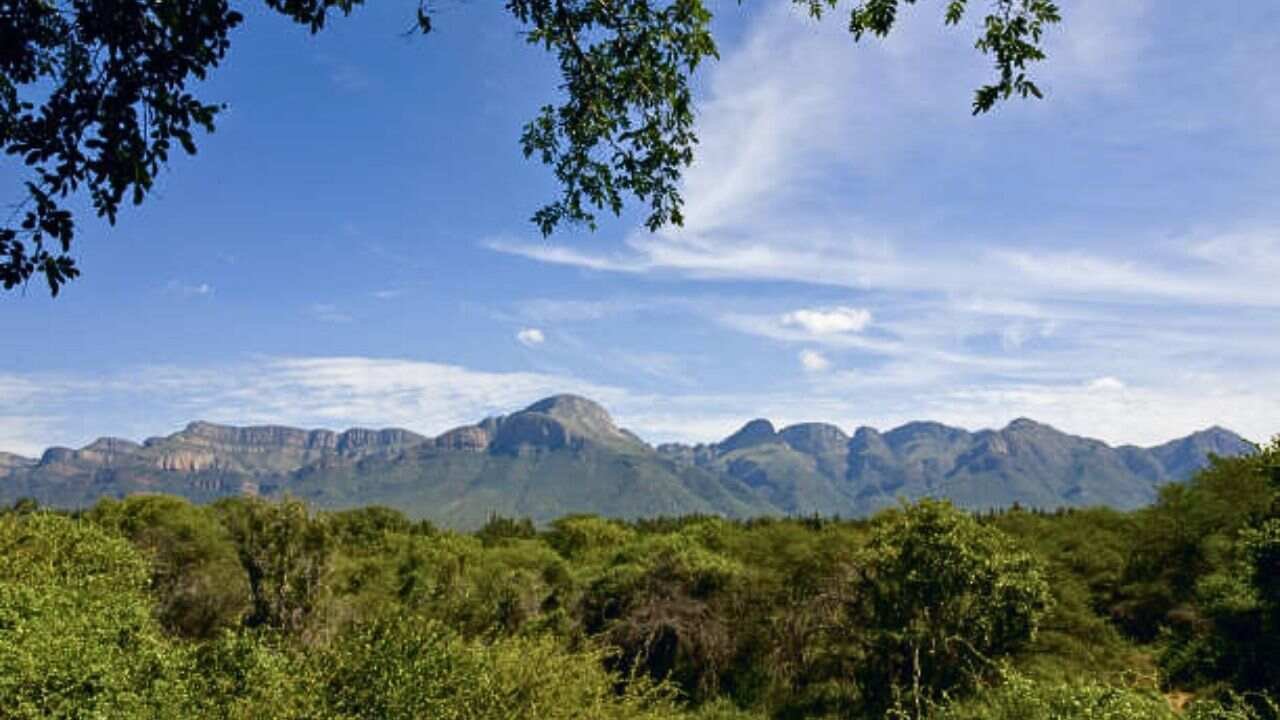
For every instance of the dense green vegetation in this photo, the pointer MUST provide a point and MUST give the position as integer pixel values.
(154, 607)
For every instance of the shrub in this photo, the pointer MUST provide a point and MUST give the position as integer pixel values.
(77, 635)
(409, 668)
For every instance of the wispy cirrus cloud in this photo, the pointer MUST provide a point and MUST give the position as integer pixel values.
(797, 120)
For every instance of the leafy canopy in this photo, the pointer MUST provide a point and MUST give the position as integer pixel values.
(95, 95)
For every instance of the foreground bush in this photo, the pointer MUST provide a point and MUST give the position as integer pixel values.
(936, 597)
(1021, 698)
(406, 668)
(77, 634)
(79, 639)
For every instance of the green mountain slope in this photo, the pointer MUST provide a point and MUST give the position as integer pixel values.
(565, 455)
(816, 468)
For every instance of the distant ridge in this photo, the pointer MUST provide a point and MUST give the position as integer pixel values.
(565, 454)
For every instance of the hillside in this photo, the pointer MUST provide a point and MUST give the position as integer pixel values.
(565, 455)
(815, 467)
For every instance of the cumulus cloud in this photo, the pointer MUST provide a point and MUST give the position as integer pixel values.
(1106, 384)
(814, 361)
(530, 337)
(826, 321)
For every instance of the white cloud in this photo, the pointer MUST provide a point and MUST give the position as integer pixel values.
(330, 313)
(1106, 384)
(185, 289)
(773, 328)
(827, 321)
(26, 435)
(1017, 334)
(1252, 252)
(530, 337)
(814, 361)
(562, 255)
(1097, 47)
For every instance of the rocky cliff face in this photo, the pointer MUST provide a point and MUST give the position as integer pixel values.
(207, 447)
(284, 441)
(472, 438)
(9, 461)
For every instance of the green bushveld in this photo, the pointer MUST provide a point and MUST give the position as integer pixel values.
(151, 607)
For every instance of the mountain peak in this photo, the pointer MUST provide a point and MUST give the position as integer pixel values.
(1217, 432)
(815, 438)
(1186, 455)
(560, 421)
(112, 445)
(1026, 424)
(756, 432)
(204, 427)
(10, 460)
(575, 410)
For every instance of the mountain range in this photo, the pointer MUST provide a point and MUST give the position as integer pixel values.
(566, 455)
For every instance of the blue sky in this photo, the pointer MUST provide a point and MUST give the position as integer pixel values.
(352, 246)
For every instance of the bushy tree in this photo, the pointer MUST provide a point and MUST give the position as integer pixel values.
(934, 599)
(577, 536)
(77, 634)
(197, 581)
(286, 552)
(499, 529)
(667, 602)
(1228, 627)
(1085, 553)
(409, 668)
(1019, 698)
(481, 592)
(1191, 533)
(250, 675)
(367, 527)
